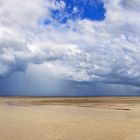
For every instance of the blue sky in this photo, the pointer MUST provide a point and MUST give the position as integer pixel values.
(80, 9)
(76, 10)
(68, 47)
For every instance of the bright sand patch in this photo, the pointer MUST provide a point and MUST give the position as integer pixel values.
(70, 118)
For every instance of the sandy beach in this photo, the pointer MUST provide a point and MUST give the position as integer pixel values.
(97, 118)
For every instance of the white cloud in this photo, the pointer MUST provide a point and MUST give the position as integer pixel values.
(83, 50)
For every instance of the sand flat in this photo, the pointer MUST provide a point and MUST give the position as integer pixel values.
(100, 118)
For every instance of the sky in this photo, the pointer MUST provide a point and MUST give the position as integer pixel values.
(70, 47)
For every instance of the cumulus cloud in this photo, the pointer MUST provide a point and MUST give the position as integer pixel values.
(82, 50)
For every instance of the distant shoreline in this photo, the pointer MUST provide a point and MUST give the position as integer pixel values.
(67, 96)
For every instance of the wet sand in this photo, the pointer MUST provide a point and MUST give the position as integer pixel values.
(99, 118)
